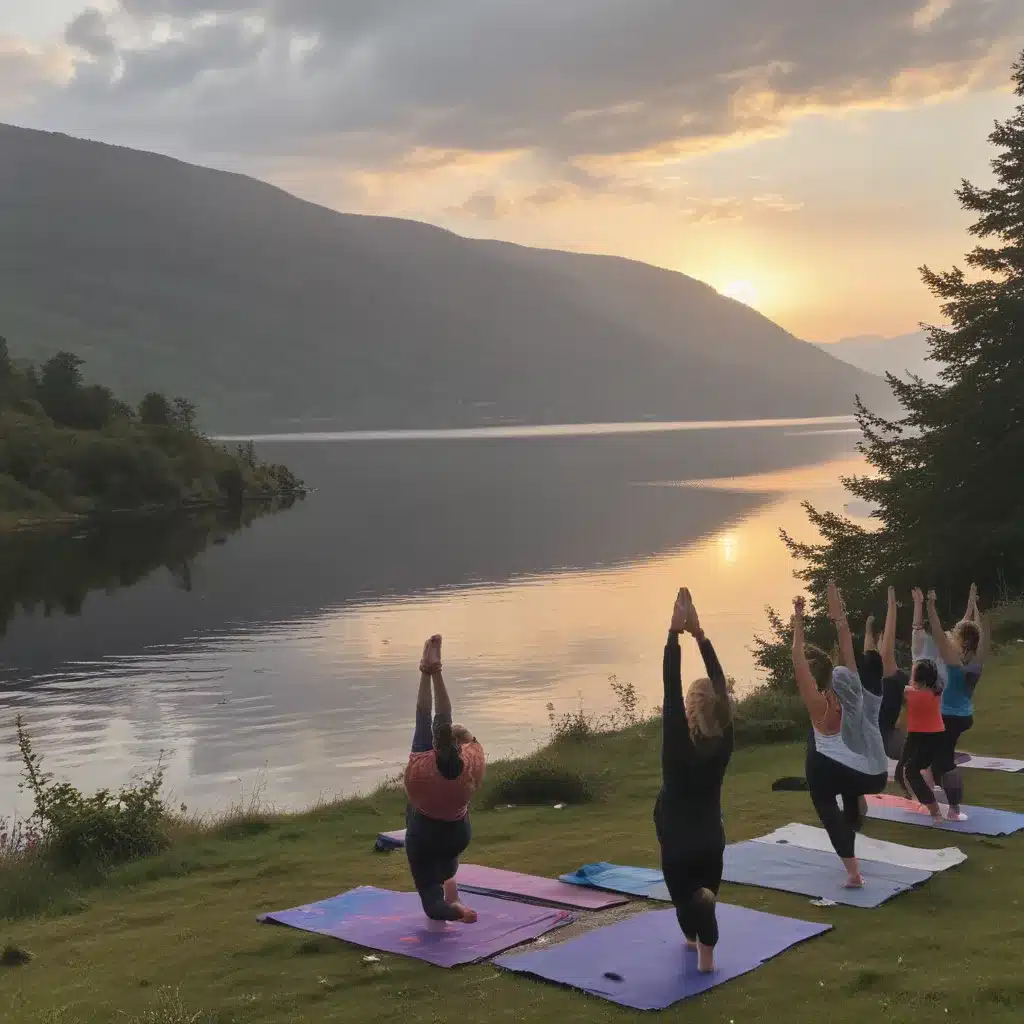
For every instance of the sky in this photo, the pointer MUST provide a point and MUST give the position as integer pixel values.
(799, 155)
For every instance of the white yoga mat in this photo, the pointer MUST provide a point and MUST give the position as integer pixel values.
(993, 764)
(810, 838)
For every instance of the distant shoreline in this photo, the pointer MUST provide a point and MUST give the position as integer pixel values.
(526, 431)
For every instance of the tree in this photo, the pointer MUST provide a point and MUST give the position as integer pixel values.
(155, 410)
(184, 414)
(947, 491)
(60, 384)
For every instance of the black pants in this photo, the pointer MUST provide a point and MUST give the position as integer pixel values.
(687, 875)
(828, 779)
(945, 769)
(433, 848)
(922, 750)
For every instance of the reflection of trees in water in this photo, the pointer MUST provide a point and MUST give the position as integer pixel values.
(50, 572)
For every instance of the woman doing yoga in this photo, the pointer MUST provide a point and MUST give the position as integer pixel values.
(925, 734)
(846, 757)
(960, 656)
(894, 681)
(445, 768)
(697, 743)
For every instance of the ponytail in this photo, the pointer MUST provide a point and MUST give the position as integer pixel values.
(447, 755)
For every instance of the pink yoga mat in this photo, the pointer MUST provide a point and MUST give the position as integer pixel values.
(511, 884)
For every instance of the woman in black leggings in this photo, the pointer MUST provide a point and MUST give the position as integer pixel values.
(697, 743)
(846, 756)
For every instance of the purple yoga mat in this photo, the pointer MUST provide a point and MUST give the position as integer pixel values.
(642, 962)
(393, 922)
(512, 885)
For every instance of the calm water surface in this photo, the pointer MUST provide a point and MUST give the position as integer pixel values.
(282, 652)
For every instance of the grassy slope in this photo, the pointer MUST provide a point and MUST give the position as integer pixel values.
(950, 951)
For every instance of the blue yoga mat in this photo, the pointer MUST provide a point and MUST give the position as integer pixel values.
(388, 841)
(981, 821)
(646, 882)
(816, 873)
(643, 962)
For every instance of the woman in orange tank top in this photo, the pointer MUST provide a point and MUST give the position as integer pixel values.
(925, 731)
(446, 765)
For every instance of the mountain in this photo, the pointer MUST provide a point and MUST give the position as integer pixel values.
(899, 356)
(274, 313)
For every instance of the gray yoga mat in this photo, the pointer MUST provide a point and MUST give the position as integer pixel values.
(816, 873)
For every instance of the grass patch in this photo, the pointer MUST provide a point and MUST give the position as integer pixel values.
(176, 933)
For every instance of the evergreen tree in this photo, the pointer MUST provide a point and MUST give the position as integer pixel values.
(947, 488)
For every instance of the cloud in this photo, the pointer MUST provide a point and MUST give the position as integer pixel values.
(494, 205)
(89, 32)
(581, 84)
(27, 71)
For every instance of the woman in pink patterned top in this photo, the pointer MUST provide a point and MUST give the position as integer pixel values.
(445, 768)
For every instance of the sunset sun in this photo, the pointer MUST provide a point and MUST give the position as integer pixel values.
(742, 291)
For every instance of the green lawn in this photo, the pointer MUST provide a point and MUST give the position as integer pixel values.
(187, 920)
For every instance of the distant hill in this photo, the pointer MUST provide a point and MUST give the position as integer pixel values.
(899, 356)
(274, 313)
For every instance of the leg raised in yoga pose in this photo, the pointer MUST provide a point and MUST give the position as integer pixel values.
(445, 766)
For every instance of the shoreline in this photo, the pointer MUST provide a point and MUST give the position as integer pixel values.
(10, 526)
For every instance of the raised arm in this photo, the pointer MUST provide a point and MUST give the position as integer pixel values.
(947, 652)
(813, 699)
(837, 613)
(723, 705)
(918, 636)
(677, 745)
(975, 616)
(888, 651)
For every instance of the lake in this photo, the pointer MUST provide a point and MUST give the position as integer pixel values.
(280, 652)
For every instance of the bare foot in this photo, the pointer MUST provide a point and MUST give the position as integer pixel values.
(705, 958)
(466, 916)
(431, 661)
(853, 876)
(451, 891)
(936, 814)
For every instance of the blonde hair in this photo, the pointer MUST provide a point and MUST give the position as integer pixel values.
(967, 637)
(821, 666)
(701, 708)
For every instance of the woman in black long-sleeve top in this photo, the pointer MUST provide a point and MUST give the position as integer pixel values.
(697, 744)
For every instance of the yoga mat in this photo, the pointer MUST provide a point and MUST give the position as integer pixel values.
(393, 922)
(642, 962)
(815, 873)
(512, 885)
(992, 764)
(981, 821)
(810, 838)
(388, 841)
(646, 882)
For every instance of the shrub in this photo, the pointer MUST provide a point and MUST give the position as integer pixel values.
(572, 726)
(537, 781)
(104, 828)
(770, 716)
(14, 956)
